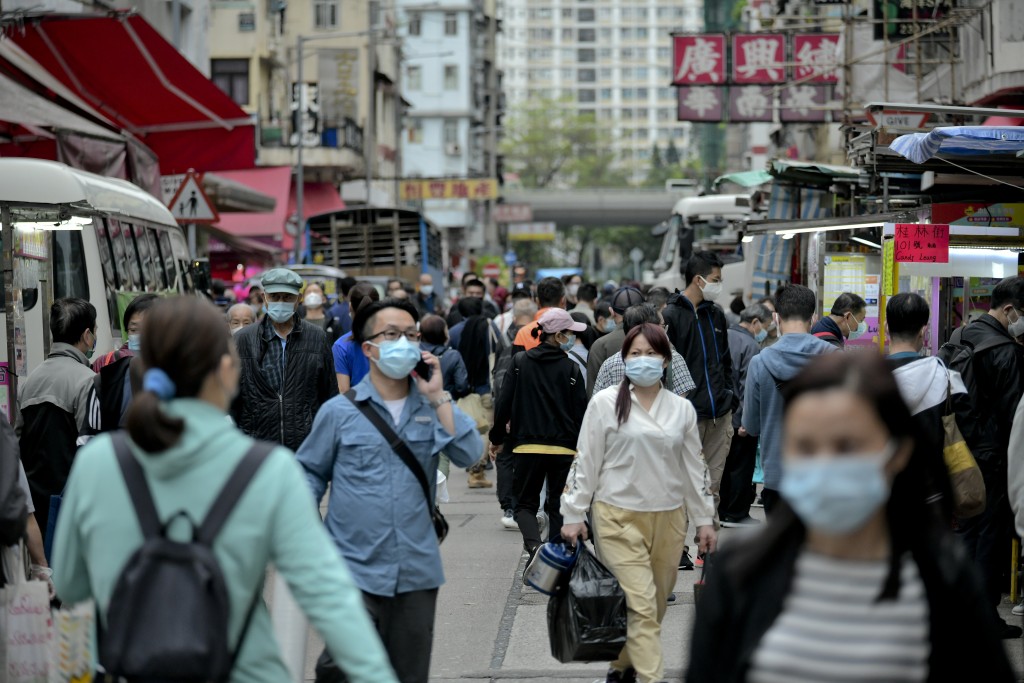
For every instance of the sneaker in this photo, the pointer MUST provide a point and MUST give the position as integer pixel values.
(508, 520)
(542, 523)
(699, 562)
(1008, 631)
(1018, 609)
(672, 600)
(685, 562)
(737, 523)
(627, 676)
(757, 502)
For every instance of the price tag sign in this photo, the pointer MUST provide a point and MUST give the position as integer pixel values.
(921, 243)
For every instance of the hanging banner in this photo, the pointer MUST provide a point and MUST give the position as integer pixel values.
(475, 188)
(997, 215)
(751, 103)
(758, 58)
(701, 103)
(921, 243)
(699, 60)
(531, 232)
(816, 56)
(804, 103)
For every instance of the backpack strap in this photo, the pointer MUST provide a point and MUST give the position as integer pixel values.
(138, 489)
(232, 491)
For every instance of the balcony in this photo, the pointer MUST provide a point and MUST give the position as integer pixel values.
(337, 146)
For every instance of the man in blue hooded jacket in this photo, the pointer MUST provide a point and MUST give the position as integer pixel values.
(768, 373)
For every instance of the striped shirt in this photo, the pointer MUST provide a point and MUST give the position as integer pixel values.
(832, 628)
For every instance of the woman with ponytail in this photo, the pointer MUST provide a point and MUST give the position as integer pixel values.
(639, 471)
(180, 435)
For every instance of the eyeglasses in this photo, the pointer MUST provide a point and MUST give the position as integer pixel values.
(393, 334)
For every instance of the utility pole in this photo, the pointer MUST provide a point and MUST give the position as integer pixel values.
(370, 137)
(491, 240)
(300, 172)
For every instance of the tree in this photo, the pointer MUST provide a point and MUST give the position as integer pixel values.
(656, 156)
(671, 153)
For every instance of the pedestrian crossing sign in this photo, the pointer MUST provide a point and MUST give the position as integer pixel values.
(190, 203)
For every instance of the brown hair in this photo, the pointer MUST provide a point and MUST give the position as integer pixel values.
(186, 338)
(658, 340)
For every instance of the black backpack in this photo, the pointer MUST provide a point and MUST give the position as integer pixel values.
(959, 355)
(502, 363)
(167, 621)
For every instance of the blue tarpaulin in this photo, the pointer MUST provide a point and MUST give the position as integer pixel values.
(959, 141)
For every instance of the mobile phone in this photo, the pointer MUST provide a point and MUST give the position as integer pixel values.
(423, 371)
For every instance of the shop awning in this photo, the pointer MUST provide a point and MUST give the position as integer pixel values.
(959, 141)
(811, 172)
(745, 178)
(127, 71)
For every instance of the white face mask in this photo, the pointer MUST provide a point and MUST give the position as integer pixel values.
(313, 300)
(711, 290)
(573, 290)
(426, 290)
(1016, 327)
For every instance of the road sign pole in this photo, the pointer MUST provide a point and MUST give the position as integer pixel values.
(300, 184)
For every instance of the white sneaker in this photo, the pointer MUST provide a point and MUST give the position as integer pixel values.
(1018, 609)
(542, 522)
(508, 521)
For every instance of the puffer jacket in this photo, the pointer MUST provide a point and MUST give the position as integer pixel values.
(700, 335)
(284, 416)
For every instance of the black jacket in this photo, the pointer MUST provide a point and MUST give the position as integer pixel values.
(828, 330)
(546, 394)
(746, 590)
(13, 509)
(999, 384)
(284, 417)
(700, 335)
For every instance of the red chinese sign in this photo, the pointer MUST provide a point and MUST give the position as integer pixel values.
(699, 60)
(921, 243)
(759, 58)
(816, 57)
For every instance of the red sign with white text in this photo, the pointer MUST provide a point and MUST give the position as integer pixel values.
(816, 57)
(758, 58)
(699, 59)
(921, 243)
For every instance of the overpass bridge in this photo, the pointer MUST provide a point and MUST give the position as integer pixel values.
(598, 207)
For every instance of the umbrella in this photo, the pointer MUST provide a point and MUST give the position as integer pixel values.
(959, 141)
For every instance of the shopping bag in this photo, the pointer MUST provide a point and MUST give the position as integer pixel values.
(965, 477)
(25, 632)
(72, 650)
(587, 621)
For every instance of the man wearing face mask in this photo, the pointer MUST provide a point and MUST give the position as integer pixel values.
(287, 367)
(697, 329)
(379, 519)
(426, 301)
(239, 316)
(772, 329)
(845, 322)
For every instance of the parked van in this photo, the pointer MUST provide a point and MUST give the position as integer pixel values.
(77, 234)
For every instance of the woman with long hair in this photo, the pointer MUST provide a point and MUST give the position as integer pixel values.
(854, 577)
(639, 460)
(180, 435)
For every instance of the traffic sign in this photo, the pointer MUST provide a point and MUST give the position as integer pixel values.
(511, 258)
(891, 118)
(492, 270)
(190, 203)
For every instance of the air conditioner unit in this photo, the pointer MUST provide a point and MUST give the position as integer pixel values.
(453, 150)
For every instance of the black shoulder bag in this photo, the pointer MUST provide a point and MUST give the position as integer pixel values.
(402, 450)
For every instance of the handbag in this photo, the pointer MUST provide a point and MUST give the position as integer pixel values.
(965, 476)
(25, 632)
(402, 450)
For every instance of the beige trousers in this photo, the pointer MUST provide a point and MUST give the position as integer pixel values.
(642, 549)
(715, 441)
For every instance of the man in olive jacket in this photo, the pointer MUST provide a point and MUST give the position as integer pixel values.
(287, 367)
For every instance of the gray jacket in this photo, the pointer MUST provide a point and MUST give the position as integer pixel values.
(742, 347)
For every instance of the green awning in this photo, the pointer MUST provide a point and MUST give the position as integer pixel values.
(810, 172)
(745, 178)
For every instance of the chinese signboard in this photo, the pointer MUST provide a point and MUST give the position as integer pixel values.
(816, 56)
(477, 188)
(701, 103)
(903, 18)
(531, 232)
(512, 213)
(921, 243)
(699, 60)
(804, 103)
(759, 58)
(751, 103)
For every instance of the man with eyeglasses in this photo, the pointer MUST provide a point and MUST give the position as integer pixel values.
(377, 513)
(287, 367)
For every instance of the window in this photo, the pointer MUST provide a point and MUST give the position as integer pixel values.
(641, 12)
(641, 93)
(627, 53)
(415, 23)
(543, 13)
(566, 34)
(641, 33)
(664, 73)
(69, 275)
(606, 94)
(566, 74)
(641, 73)
(232, 76)
(664, 52)
(167, 253)
(451, 77)
(627, 114)
(585, 14)
(664, 12)
(606, 34)
(586, 55)
(678, 133)
(641, 133)
(641, 113)
(567, 13)
(414, 78)
(325, 13)
(605, 53)
(605, 74)
(627, 12)
(451, 132)
(665, 114)
(451, 24)
(628, 93)
(586, 75)
(587, 35)
(665, 94)
(627, 73)
(604, 13)
(586, 96)
(626, 33)
(414, 132)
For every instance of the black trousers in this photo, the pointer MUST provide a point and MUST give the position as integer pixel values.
(987, 536)
(769, 498)
(737, 489)
(504, 465)
(405, 623)
(531, 470)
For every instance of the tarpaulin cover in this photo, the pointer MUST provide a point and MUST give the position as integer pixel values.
(130, 73)
(745, 178)
(959, 141)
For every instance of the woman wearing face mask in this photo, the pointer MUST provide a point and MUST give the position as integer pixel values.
(854, 578)
(639, 461)
(845, 322)
(178, 432)
(540, 409)
(314, 309)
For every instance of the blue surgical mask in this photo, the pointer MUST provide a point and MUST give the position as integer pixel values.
(568, 343)
(610, 325)
(279, 311)
(836, 495)
(134, 343)
(862, 327)
(760, 336)
(397, 358)
(645, 371)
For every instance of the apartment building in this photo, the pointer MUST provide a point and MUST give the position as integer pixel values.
(613, 58)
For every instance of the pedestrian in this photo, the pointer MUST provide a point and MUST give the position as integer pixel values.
(314, 310)
(187, 449)
(350, 363)
(572, 284)
(678, 378)
(14, 499)
(239, 316)
(611, 343)
(736, 306)
(604, 321)
(767, 375)
(427, 301)
(131, 323)
(287, 368)
(582, 342)
(658, 296)
(550, 294)
(542, 402)
(504, 321)
(341, 309)
(697, 329)
(773, 329)
(393, 288)
(376, 511)
(998, 385)
(638, 469)
(737, 491)
(53, 403)
(586, 300)
(257, 300)
(846, 321)
(853, 577)
(434, 340)
(477, 339)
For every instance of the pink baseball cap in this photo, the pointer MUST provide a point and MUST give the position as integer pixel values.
(559, 320)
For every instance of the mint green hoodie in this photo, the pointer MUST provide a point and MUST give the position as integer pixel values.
(275, 522)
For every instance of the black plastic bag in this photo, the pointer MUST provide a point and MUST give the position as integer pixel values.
(587, 622)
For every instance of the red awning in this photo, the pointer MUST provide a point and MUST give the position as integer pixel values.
(1002, 121)
(317, 198)
(125, 69)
